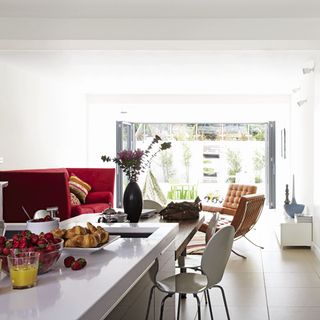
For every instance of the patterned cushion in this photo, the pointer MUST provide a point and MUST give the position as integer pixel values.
(74, 200)
(79, 188)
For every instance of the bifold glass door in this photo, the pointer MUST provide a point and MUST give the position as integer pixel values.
(205, 158)
(125, 140)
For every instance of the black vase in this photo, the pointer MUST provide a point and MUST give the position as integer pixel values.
(132, 201)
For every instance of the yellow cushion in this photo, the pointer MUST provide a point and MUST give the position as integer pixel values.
(79, 187)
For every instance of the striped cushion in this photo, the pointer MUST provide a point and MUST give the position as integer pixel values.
(74, 200)
(79, 188)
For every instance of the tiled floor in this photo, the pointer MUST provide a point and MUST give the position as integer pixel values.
(271, 284)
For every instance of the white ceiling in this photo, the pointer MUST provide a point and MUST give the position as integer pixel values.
(160, 8)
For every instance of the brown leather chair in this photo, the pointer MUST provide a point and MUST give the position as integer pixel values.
(232, 199)
(245, 218)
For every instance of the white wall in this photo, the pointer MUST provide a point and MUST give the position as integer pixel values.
(42, 121)
(316, 166)
(302, 147)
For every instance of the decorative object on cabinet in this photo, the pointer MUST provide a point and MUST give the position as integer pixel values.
(293, 208)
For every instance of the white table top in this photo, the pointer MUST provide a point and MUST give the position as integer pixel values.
(90, 293)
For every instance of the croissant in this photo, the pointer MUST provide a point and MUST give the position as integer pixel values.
(82, 241)
(91, 227)
(103, 235)
(58, 233)
(80, 237)
(76, 230)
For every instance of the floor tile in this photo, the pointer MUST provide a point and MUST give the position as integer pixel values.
(271, 284)
(292, 280)
(239, 297)
(243, 280)
(293, 297)
(294, 313)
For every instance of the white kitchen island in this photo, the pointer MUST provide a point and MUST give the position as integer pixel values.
(113, 285)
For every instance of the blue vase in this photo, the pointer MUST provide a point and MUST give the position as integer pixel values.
(132, 201)
(293, 208)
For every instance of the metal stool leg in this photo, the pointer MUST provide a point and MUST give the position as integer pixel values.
(210, 307)
(198, 303)
(149, 302)
(162, 304)
(225, 301)
(179, 301)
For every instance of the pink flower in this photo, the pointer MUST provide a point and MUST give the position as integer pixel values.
(134, 162)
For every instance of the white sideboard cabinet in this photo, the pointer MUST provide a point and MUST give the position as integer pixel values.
(293, 234)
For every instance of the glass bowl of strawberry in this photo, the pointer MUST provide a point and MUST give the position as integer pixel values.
(50, 248)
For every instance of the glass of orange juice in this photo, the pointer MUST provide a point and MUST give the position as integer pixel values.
(23, 268)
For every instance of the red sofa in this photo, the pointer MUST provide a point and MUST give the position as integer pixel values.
(43, 188)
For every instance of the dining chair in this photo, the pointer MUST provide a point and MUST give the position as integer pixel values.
(192, 260)
(151, 204)
(219, 247)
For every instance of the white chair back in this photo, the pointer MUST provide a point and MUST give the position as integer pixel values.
(216, 255)
(212, 225)
(151, 204)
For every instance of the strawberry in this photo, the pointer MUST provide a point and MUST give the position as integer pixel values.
(76, 265)
(16, 237)
(15, 244)
(25, 233)
(49, 236)
(47, 218)
(9, 243)
(50, 248)
(42, 243)
(34, 238)
(82, 261)
(5, 251)
(23, 245)
(56, 240)
(68, 261)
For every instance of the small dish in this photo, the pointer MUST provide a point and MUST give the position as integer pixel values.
(112, 238)
(44, 226)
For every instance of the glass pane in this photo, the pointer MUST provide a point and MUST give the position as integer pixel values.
(257, 132)
(235, 131)
(209, 131)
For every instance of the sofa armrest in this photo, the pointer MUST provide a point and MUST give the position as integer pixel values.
(99, 197)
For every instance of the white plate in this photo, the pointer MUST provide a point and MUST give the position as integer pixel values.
(112, 238)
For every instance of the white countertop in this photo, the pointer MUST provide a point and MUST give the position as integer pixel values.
(90, 293)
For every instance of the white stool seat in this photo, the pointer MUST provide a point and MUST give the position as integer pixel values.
(184, 283)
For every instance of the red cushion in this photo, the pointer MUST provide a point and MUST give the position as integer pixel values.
(88, 208)
(99, 197)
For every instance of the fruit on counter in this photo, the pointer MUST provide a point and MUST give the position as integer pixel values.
(49, 247)
(82, 261)
(81, 237)
(68, 261)
(78, 264)
(71, 262)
